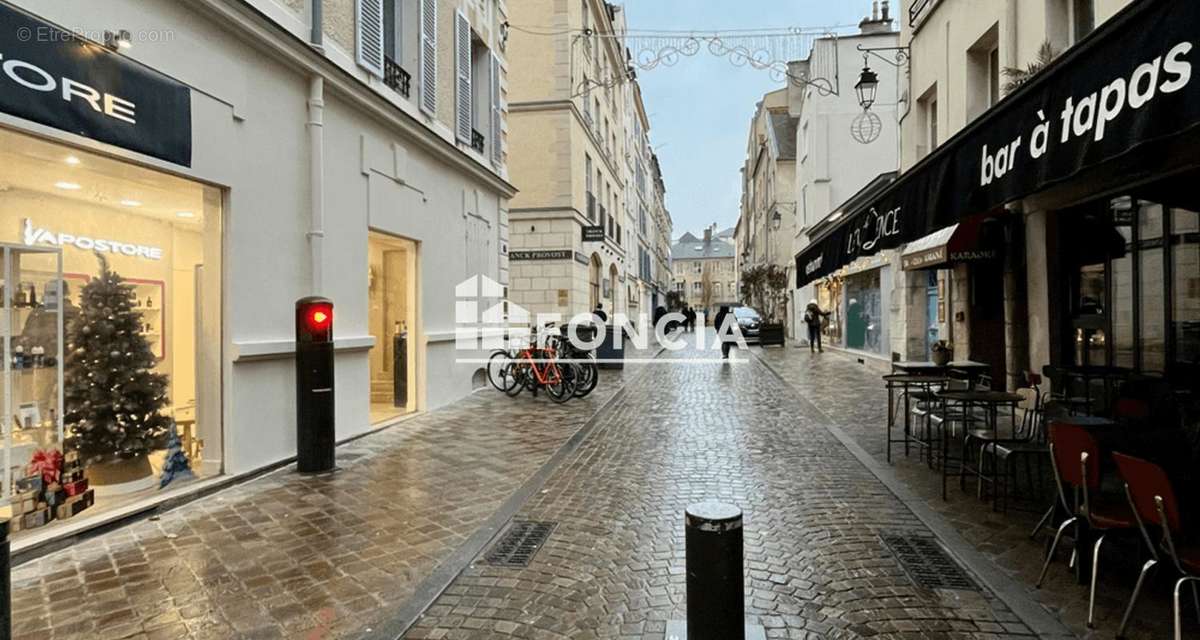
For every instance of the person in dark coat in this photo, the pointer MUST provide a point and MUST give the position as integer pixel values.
(813, 317)
(723, 316)
(599, 313)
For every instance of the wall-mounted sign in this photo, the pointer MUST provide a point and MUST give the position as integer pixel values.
(593, 233)
(55, 78)
(36, 235)
(541, 254)
(582, 259)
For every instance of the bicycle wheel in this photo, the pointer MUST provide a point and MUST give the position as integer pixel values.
(589, 375)
(563, 387)
(519, 371)
(499, 370)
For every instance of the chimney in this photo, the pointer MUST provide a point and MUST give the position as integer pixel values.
(708, 235)
(878, 22)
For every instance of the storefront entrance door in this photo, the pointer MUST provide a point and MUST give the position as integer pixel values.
(392, 299)
(987, 320)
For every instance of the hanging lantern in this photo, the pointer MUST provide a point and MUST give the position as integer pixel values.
(868, 83)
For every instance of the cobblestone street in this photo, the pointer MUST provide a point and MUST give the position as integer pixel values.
(614, 567)
(403, 527)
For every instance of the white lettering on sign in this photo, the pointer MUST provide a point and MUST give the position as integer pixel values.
(814, 264)
(1092, 114)
(35, 78)
(872, 229)
(36, 235)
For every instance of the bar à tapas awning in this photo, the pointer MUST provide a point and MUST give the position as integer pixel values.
(1124, 104)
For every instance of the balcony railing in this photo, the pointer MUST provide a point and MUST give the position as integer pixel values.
(396, 77)
(476, 141)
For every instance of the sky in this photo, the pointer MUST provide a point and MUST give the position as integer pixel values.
(700, 108)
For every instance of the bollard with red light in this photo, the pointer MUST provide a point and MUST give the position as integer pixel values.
(314, 385)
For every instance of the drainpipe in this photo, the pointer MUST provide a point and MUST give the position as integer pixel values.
(316, 39)
(316, 179)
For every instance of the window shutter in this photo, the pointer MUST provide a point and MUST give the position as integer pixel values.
(369, 44)
(462, 55)
(497, 114)
(429, 56)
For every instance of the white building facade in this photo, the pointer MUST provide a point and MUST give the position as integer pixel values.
(362, 160)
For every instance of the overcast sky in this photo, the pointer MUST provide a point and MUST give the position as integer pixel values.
(700, 109)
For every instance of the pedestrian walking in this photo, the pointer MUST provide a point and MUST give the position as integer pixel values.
(723, 333)
(689, 319)
(813, 317)
(599, 313)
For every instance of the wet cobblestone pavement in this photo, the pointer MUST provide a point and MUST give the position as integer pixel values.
(285, 556)
(614, 567)
(852, 396)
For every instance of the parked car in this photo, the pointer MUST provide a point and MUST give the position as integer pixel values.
(749, 321)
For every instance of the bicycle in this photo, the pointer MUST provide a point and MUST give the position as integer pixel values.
(534, 367)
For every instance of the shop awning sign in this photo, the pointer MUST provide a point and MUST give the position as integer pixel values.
(52, 77)
(1114, 101)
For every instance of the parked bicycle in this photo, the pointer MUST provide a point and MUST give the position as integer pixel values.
(554, 364)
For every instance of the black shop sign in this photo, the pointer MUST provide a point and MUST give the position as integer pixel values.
(1124, 103)
(55, 78)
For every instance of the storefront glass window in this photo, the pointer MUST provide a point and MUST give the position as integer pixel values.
(1122, 311)
(1185, 286)
(864, 312)
(162, 236)
(1153, 321)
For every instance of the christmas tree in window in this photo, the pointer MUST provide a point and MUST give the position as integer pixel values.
(113, 397)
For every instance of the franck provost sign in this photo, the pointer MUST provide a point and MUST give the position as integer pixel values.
(54, 78)
(1124, 103)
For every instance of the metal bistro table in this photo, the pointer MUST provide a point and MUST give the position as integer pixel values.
(991, 401)
(908, 384)
(971, 369)
(1107, 375)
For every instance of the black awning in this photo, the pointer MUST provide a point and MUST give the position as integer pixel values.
(1128, 84)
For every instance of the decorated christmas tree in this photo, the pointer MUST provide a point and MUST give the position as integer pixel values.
(113, 398)
(177, 465)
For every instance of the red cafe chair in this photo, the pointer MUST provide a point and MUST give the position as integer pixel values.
(1076, 459)
(1153, 500)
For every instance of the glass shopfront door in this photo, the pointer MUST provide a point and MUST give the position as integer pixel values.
(392, 298)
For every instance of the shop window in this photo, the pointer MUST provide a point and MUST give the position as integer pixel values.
(162, 236)
(1185, 286)
(864, 312)
(391, 295)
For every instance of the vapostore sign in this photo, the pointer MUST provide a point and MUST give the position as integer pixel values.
(54, 78)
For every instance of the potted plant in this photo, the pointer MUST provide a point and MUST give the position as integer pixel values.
(942, 353)
(764, 287)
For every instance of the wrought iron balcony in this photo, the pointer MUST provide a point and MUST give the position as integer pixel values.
(396, 77)
(476, 141)
(918, 10)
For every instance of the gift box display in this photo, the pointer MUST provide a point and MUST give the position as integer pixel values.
(53, 486)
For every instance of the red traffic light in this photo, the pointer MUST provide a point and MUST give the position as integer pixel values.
(320, 317)
(314, 320)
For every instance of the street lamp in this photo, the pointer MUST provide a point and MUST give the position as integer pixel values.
(868, 83)
(776, 220)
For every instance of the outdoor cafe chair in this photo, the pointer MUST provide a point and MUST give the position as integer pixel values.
(1028, 445)
(1022, 433)
(1154, 504)
(1060, 390)
(1075, 455)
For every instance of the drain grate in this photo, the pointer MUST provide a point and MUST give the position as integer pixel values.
(927, 564)
(519, 544)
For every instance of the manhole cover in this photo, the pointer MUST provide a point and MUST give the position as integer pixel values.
(927, 564)
(518, 545)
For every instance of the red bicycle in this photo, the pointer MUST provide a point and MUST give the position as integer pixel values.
(534, 367)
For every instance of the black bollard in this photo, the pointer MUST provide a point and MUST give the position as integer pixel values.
(5, 583)
(315, 433)
(716, 602)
